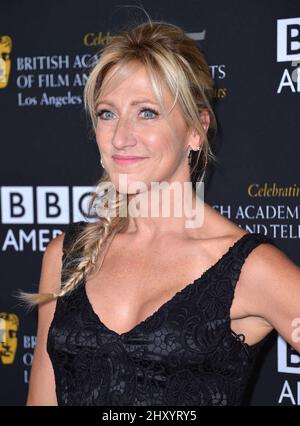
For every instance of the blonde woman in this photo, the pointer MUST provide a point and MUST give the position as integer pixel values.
(144, 310)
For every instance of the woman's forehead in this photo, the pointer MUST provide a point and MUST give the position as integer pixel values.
(139, 82)
(134, 74)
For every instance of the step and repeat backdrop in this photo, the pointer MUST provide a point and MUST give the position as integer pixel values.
(49, 161)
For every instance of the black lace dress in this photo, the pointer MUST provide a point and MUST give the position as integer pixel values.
(185, 353)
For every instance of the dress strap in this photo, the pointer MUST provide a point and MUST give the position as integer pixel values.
(71, 232)
(243, 248)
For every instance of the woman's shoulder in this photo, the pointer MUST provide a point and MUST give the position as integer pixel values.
(222, 233)
(218, 228)
(57, 245)
(54, 248)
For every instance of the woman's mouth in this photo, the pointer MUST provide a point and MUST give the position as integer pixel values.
(122, 160)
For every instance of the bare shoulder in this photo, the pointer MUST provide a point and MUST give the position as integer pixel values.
(219, 229)
(268, 290)
(264, 261)
(55, 246)
(51, 265)
(269, 286)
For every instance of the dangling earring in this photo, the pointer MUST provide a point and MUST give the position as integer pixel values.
(190, 156)
(101, 163)
(190, 151)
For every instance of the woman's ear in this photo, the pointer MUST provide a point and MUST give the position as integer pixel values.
(195, 138)
(205, 120)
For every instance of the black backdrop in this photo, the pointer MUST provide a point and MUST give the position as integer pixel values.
(49, 160)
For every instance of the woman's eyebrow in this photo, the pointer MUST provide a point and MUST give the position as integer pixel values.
(103, 101)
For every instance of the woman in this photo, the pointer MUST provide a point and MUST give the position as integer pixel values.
(146, 310)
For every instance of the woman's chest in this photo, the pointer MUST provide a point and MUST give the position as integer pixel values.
(133, 284)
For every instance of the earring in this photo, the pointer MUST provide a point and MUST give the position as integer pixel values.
(189, 156)
(190, 151)
(101, 163)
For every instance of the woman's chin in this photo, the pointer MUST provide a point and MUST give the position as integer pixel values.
(126, 184)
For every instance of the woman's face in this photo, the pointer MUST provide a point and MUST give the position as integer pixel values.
(130, 123)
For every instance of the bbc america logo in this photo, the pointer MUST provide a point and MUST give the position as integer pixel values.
(22, 205)
(288, 40)
(288, 50)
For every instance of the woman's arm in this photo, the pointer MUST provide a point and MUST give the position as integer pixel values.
(270, 289)
(42, 382)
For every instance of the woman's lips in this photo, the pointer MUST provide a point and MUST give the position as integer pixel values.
(126, 161)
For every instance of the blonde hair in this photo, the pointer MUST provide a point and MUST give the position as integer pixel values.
(170, 56)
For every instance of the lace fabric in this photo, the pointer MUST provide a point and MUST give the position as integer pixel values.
(185, 353)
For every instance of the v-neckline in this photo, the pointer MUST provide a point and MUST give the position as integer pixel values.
(166, 303)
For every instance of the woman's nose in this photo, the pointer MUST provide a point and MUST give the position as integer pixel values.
(124, 133)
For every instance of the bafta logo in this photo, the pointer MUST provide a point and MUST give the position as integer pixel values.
(9, 325)
(5, 62)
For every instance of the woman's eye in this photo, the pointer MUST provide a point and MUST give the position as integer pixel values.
(151, 111)
(101, 113)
